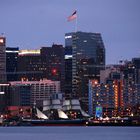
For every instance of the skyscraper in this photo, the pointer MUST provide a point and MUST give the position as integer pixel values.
(136, 62)
(84, 58)
(11, 63)
(29, 65)
(52, 59)
(2, 59)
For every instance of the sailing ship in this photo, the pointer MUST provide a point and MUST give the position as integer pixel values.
(57, 113)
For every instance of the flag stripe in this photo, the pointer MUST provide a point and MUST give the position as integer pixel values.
(73, 16)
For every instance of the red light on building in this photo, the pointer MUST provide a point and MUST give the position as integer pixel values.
(54, 71)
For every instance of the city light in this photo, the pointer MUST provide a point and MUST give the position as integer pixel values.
(54, 71)
(1, 41)
(2, 92)
(28, 52)
(67, 37)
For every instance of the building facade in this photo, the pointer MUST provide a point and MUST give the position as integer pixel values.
(12, 63)
(29, 65)
(20, 95)
(84, 58)
(46, 63)
(37, 91)
(118, 90)
(53, 63)
(2, 59)
(4, 97)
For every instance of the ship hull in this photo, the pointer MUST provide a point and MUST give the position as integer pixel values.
(54, 122)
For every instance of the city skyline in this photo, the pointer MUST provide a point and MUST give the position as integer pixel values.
(33, 25)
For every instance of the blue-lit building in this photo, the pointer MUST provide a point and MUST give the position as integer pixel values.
(84, 58)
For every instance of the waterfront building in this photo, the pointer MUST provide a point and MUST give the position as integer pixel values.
(2, 59)
(101, 95)
(20, 94)
(131, 95)
(84, 58)
(4, 96)
(115, 95)
(38, 90)
(136, 62)
(11, 63)
(131, 71)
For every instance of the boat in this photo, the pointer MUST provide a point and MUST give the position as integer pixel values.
(54, 114)
(43, 120)
(36, 122)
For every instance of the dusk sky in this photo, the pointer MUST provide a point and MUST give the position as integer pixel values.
(30, 24)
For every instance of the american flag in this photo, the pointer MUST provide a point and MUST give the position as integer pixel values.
(73, 16)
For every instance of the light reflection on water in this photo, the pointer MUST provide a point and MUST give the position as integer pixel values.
(69, 133)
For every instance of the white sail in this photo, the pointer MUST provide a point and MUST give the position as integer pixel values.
(41, 115)
(66, 105)
(62, 114)
(75, 104)
(46, 105)
(56, 104)
(45, 108)
(47, 102)
(84, 113)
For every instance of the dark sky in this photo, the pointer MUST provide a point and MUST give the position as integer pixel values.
(31, 24)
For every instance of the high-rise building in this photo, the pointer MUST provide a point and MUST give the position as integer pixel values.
(46, 63)
(84, 58)
(136, 62)
(52, 59)
(118, 89)
(2, 59)
(11, 63)
(29, 65)
(101, 95)
(68, 71)
(131, 95)
(112, 96)
(131, 71)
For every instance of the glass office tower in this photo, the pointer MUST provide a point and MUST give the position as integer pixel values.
(84, 58)
(12, 63)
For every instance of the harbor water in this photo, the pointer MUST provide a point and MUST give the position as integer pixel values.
(70, 133)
